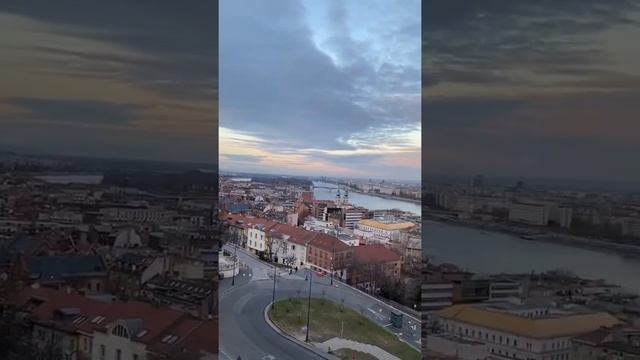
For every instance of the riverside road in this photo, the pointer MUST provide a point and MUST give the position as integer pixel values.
(244, 332)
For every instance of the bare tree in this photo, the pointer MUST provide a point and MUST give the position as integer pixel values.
(15, 329)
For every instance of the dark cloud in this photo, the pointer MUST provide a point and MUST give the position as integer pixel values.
(464, 113)
(531, 88)
(482, 42)
(590, 135)
(161, 53)
(178, 40)
(78, 111)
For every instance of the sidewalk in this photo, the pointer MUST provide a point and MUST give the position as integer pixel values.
(339, 343)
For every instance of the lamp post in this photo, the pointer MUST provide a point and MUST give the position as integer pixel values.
(275, 272)
(309, 305)
(235, 258)
(333, 256)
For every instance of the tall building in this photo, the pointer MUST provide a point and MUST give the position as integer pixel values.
(352, 216)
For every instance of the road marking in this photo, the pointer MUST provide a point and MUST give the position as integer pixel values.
(376, 314)
(389, 324)
(225, 354)
(268, 357)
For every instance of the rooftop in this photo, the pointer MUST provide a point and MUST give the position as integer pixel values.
(56, 268)
(538, 328)
(146, 323)
(387, 225)
(328, 243)
(374, 254)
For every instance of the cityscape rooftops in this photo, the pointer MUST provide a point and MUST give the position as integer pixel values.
(145, 322)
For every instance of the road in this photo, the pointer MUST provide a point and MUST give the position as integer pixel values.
(244, 331)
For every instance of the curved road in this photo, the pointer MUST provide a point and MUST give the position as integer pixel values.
(244, 331)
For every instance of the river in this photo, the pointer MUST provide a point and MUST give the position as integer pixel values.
(487, 252)
(72, 179)
(367, 201)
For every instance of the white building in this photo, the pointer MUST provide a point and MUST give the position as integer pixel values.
(505, 289)
(127, 239)
(561, 215)
(290, 244)
(118, 341)
(257, 240)
(533, 214)
(381, 231)
(138, 214)
(436, 295)
(352, 216)
(631, 227)
(316, 225)
(518, 334)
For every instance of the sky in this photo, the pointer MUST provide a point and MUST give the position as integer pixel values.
(119, 79)
(321, 87)
(545, 89)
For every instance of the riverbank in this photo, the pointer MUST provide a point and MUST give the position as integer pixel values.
(327, 191)
(378, 195)
(388, 197)
(531, 234)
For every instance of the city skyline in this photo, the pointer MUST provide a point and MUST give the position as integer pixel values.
(133, 80)
(308, 88)
(532, 90)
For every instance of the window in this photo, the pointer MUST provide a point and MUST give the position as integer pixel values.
(121, 331)
(103, 352)
(135, 356)
(118, 354)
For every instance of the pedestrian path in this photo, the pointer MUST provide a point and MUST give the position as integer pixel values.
(339, 343)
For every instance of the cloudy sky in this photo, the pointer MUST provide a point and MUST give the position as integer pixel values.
(532, 88)
(128, 79)
(321, 87)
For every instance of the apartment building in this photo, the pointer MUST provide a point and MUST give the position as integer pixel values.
(328, 254)
(74, 327)
(373, 264)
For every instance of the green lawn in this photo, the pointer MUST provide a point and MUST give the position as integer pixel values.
(329, 320)
(348, 354)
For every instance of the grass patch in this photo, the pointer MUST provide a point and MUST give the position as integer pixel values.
(348, 354)
(330, 319)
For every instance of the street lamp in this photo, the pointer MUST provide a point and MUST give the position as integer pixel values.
(309, 305)
(235, 258)
(333, 255)
(275, 272)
